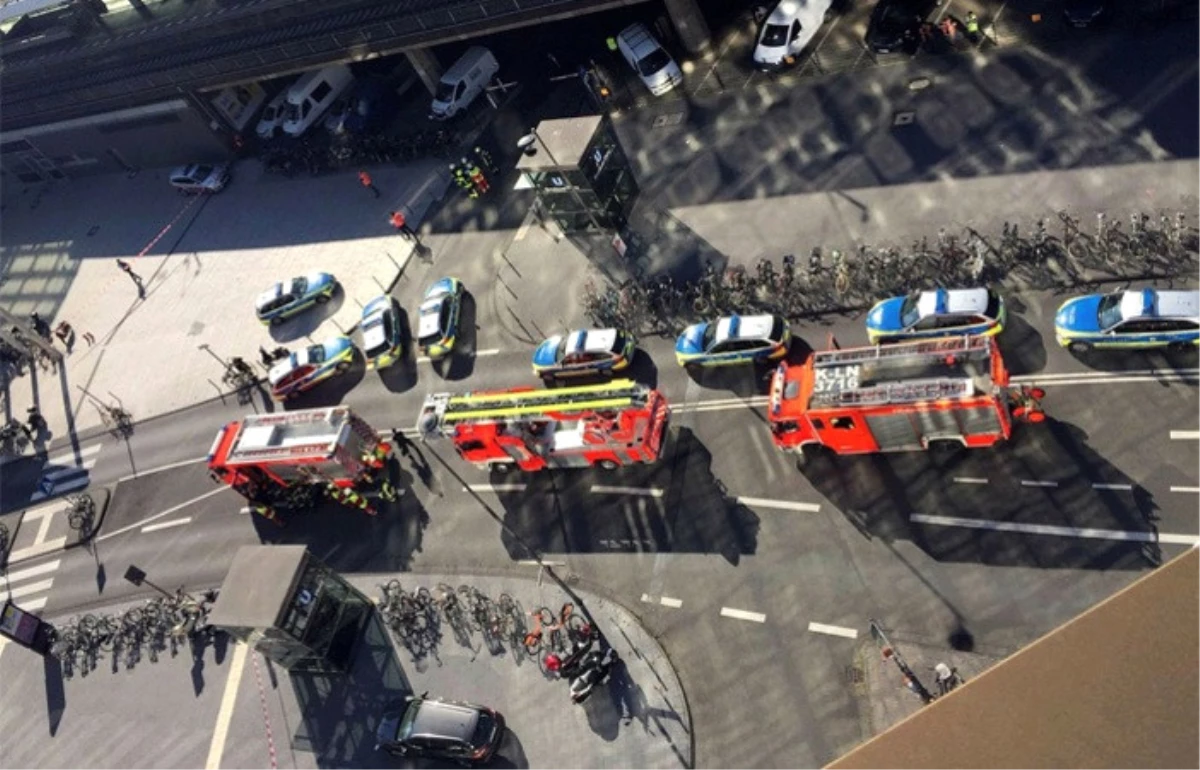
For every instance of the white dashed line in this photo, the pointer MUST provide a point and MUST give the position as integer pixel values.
(1185, 435)
(969, 480)
(494, 488)
(786, 505)
(161, 468)
(1116, 487)
(1193, 490)
(489, 352)
(822, 628)
(665, 601)
(167, 524)
(1025, 483)
(600, 489)
(756, 617)
(1057, 531)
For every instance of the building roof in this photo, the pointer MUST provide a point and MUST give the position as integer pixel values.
(1118, 686)
(566, 139)
(259, 582)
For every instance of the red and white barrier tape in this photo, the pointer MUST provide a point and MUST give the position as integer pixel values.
(262, 699)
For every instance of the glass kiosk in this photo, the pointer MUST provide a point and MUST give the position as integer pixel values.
(581, 175)
(285, 603)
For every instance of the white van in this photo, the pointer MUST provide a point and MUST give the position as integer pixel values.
(649, 59)
(272, 117)
(312, 95)
(463, 82)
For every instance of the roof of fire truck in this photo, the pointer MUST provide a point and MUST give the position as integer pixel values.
(904, 373)
(282, 436)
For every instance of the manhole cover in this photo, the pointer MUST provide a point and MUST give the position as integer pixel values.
(674, 119)
(904, 118)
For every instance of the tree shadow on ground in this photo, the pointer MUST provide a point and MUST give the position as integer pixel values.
(674, 505)
(1019, 517)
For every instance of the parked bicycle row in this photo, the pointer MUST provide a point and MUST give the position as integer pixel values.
(317, 155)
(417, 618)
(159, 625)
(832, 279)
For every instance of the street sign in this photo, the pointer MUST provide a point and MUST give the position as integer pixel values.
(46, 486)
(135, 575)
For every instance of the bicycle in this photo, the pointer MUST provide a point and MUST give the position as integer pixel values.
(477, 607)
(81, 513)
(841, 274)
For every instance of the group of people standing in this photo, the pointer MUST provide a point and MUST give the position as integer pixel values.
(469, 174)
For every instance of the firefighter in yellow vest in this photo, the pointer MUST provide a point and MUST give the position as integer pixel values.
(349, 498)
(266, 511)
(387, 491)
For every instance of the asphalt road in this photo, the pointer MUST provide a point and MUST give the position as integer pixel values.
(833, 545)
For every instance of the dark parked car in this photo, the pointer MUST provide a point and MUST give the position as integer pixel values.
(439, 729)
(367, 111)
(894, 24)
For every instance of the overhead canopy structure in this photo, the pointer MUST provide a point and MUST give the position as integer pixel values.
(1118, 686)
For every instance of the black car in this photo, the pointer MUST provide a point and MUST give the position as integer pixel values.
(894, 25)
(439, 729)
(1083, 13)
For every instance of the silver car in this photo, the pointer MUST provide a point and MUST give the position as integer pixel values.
(200, 178)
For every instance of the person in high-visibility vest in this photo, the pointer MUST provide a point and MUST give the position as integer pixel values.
(973, 27)
(477, 177)
(462, 180)
(267, 512)
(612, 44)
(387, 491)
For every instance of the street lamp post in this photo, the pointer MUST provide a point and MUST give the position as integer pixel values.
(209, 350)
(525, 144)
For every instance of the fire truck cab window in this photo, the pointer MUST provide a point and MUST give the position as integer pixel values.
(818, 424)
(470, 446)
(842, 423)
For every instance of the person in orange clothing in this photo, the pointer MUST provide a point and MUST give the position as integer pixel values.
(365, 179)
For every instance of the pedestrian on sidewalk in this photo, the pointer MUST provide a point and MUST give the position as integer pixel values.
(973, 28)
(400, 223)
(137, 279)
(264, 356)
(365, 179)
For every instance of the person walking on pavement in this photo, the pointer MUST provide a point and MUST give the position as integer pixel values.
(365, 179)
(401, 224)
(973, 28)
(137, 279)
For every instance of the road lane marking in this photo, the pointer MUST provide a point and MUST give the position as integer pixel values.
(536, 563)
(87, 457)
(1117, 487)
(1026, 483)
(32, 588)
(157, 516)
(1185, 435)
(756, 617)
(167, 524)
(488, 352)
(668, 601)
(785, 505)
(1056, 531)
(1186, 489)
(28, 572)
(36, 550)
(161, 468)
(822, 628)
(33, 605)
(494, 488)
(1026, 379)
(225, 714)
(969, 480)
(601, 489)
(43, 530)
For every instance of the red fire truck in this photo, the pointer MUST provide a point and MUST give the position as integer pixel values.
(283, 460)
(900, 397)
(607, 425)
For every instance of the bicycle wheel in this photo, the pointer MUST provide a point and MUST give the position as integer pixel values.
(532, 642)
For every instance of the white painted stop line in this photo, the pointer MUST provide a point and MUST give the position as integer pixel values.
(756, 617)
(1185, 435)
(823, 628)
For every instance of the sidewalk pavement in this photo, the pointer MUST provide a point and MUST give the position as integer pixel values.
(181, 712)
(201, 278)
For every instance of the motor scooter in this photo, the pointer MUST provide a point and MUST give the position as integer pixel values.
(594, 669)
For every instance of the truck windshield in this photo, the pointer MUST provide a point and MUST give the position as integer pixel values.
(653, 62)
(445, 93)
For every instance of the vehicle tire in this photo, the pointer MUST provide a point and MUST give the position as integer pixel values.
(1175, 348)
(608, 465)
(1079, 348)
(276, 321)
(503, 467)
(342, 367)
(693, 370)
(549, 380)
(321, 299)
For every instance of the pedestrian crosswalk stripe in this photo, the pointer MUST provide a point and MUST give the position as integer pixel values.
(36, 550)
(87, 457)
(16, 576)
(75, 478)
(31, 588)
(33, 605)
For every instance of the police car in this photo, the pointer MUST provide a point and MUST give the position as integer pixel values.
(1138, 318)
(583, 352)
(381, 331)
(733, 340)
(285, 299)
(437, 322)
(936, 313)
(308, 366)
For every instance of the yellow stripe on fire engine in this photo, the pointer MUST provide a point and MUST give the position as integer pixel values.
(557, 393)
(515, 411)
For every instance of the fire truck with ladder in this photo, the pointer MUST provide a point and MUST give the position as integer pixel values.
(285, 460)
(900, 397)
(604, 426)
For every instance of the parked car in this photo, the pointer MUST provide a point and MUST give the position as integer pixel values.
(1138, 318)
(894, 24)
(733, 340)
(657, 70)
(441, 729)
(936, 313)
(306, 367)
(200, 178)
(787, 30)
(383, 343)
(1084, 13)
(271, 120)
(584, 352)
(367, 111)
(285, 299)
(438, 316)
